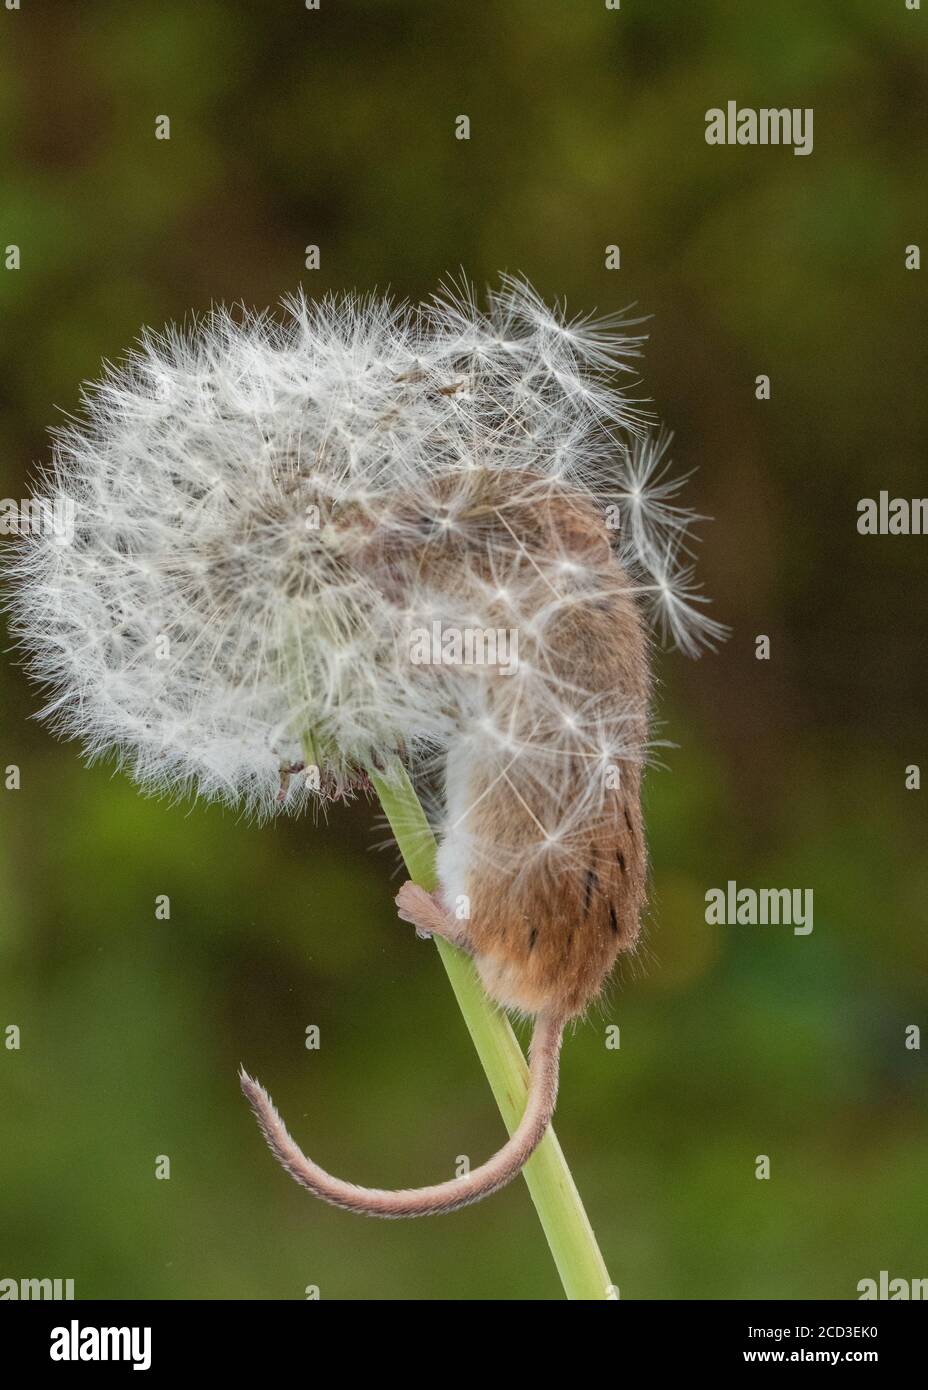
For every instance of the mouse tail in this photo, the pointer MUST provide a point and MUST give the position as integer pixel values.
(505, 1164)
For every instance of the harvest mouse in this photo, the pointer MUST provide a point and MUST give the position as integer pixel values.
(541, 862)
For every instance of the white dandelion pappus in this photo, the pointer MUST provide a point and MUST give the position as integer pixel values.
(208, 614)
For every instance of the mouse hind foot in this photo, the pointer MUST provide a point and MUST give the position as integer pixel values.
(428, 914)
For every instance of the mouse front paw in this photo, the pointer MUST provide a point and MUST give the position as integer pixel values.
(415, 905)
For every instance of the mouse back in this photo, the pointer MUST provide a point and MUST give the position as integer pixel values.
(544, 844)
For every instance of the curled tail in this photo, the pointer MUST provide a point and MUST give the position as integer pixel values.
(505, 1164)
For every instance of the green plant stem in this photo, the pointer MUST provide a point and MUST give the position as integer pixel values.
(550, 1182)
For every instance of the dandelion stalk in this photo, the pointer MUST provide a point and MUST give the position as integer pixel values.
(561, 1213)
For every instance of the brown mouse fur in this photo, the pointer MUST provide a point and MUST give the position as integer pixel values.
(549, 866)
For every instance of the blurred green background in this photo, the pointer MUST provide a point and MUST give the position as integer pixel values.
(336, 128)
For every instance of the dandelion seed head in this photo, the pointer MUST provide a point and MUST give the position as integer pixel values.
(215, 619)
